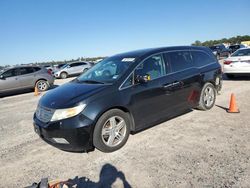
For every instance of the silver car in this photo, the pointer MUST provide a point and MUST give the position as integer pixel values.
(72, 69)
(25, 77)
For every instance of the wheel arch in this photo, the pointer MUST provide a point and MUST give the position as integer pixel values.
(122, 108)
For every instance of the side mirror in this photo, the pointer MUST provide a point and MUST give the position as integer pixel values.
(142, 79)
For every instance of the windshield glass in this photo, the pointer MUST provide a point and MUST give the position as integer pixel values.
(243, 52)
(64, 66)
(107, 71)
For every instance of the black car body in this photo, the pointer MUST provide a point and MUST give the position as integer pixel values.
(220, 51)
(149, 86)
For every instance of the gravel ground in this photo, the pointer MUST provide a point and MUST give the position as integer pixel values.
(198, 149)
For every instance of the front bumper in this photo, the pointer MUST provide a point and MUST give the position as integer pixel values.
(72, 134)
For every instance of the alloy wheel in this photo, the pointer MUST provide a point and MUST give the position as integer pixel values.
(42, 85)
(114, 131)
(209, 96)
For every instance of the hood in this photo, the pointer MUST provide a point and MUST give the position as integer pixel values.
(69, 94)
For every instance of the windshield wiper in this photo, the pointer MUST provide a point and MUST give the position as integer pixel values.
(91, 81)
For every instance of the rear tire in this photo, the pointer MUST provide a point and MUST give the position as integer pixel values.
(111, 131)
(63, 75)
(207, 97)
(42, 85)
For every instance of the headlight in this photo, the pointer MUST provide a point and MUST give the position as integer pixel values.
(67, 113)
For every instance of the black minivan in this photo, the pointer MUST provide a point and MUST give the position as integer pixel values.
(127, 93)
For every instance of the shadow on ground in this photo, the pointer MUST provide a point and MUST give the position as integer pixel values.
(108, 176)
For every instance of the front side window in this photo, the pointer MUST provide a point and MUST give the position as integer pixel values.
(73, 64)
(153, 67)
(10, 73)
(108, 70)
(179, 60)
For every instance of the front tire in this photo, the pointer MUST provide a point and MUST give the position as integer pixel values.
(63, 75)
(207, 97)
(111, 131)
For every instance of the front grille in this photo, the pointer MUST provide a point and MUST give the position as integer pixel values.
(44, 114)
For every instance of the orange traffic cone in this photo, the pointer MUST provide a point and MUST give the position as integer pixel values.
(36, 93)
(233, 107)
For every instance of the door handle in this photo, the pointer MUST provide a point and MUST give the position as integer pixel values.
(176, 83)
(173, 85)
(168, 86)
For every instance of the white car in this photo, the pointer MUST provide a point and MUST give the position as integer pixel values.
(238, 63)
(75, 68)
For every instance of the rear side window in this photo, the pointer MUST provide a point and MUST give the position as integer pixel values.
(29, 70)
(82, 63)
(77, 64)
(26, 70)
(179, 60)
(36, 69)
(201, 58)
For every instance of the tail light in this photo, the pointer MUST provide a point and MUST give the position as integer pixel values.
(227, 62)
(49, 72)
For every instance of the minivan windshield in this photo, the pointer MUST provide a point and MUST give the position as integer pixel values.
(242, 52)
(107, 71)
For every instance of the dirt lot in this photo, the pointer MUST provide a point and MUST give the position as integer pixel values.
(198, 149)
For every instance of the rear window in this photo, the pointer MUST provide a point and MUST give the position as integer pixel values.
(201, 58)
(243, 52)
(179, 60)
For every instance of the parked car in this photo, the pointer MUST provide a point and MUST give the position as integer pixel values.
(50, 68)
(60, 66)
(135, 91)
(220, 51)
(238, 63)
(235, 47)
(25, 77)
(72, 69)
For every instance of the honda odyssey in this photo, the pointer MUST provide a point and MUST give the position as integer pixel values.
(127, 93)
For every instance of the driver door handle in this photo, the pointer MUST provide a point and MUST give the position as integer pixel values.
(172, 85)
